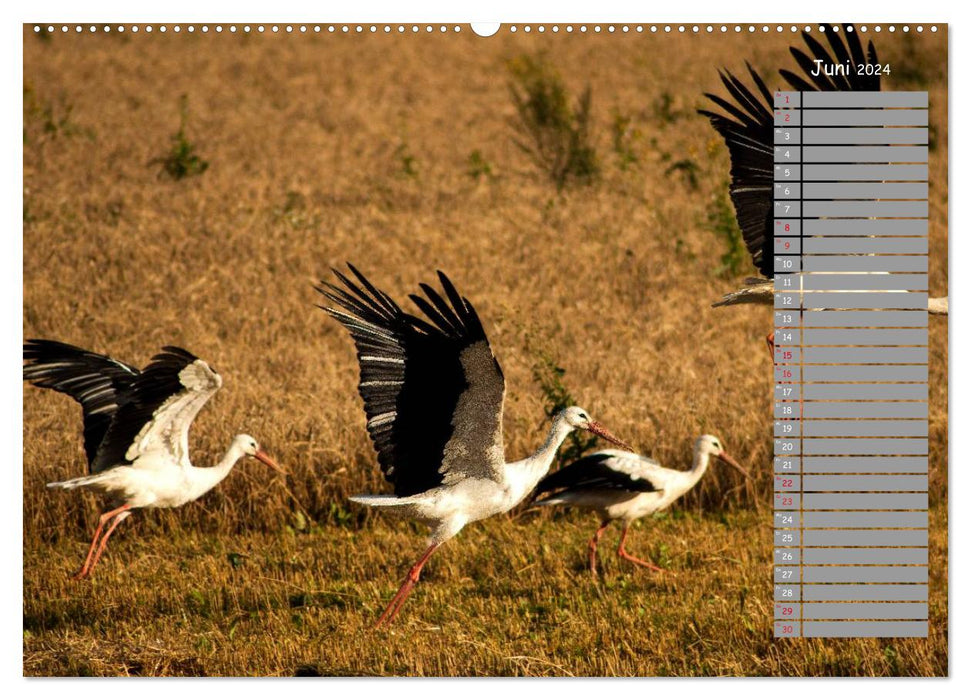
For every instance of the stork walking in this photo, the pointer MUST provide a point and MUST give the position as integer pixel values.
(433, 394)
(747, 128)
(136, 429)
(626, 486)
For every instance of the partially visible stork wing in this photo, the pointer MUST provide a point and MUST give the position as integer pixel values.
(603, 471)
(433, 391)
(99, 383)
(747, 131)
(162, 403)
(850, 53)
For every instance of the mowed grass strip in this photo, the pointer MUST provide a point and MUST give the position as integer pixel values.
(507, 597)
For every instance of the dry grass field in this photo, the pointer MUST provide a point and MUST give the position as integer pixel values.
(398, 153)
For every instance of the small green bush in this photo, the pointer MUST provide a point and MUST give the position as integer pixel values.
(181, 161)
(549, 375)
(556, 136)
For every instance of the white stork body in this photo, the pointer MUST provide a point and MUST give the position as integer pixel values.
(433, 395)
(447, 509)
(136, 428)
(626, 486)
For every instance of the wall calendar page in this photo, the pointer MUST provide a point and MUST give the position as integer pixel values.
(459, 350)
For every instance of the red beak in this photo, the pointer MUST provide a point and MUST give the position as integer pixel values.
(268, 461)
(597, 429)
(727, 459)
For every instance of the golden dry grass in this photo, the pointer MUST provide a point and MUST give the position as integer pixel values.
(331, 148)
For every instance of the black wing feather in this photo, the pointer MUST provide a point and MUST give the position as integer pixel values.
(411, 373)
(747, 128)
(99, 383)
(157, 383)
(593, 473)
(748, 135)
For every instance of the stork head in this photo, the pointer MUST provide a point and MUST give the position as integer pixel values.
(576, 417)
(711, 445)
(249, 446)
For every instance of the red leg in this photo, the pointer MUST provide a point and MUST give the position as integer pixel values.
(594, 541)
(119, 515)
(770, 341)
(105, 517)
(639, 562)
(390, 612)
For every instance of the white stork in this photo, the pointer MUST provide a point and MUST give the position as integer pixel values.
(748, 129)
(626, 486)
(433, 394)
(136, 428)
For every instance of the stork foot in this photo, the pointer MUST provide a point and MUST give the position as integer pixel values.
(622, 552)
(390, 612)
(592, 546)
(640, 562)
(770, 343)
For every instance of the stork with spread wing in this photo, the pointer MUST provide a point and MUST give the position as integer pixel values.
(433, 394)
(136, 428)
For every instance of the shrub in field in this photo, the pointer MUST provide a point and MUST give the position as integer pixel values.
(555, 134)
(721, 219)
(623, 136)
(479, 167)
(549, 375)
(181, 161)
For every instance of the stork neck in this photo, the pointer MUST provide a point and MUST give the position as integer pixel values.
(204, 479)
(547, 452)
(699, 466)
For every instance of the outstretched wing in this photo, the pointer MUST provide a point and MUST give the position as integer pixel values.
(433, 391)
(848, 53)
(604, 471)
(161, 405)
(747, 130)
(99, 383)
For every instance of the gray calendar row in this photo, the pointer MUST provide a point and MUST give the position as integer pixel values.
(847, 592)
(851, 428)
(850, 538)
(835, 208)
(853, 336)
(790, 408)
(834, 118)
(851, 446)
(796, 135)
(832, 246)
(846, 355)
(849, 518)
(843, 319)
(874, 281)
(855, 98)
(849, 263)
(852, 574)
(850, 190)
(851, 300)
(850, 501)
(812, 172)
(856, 373)
(850, 154)
(854, 628)
(851, 465)
(851, 611)
(858, 482)
(889, 556)
(851, 392)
